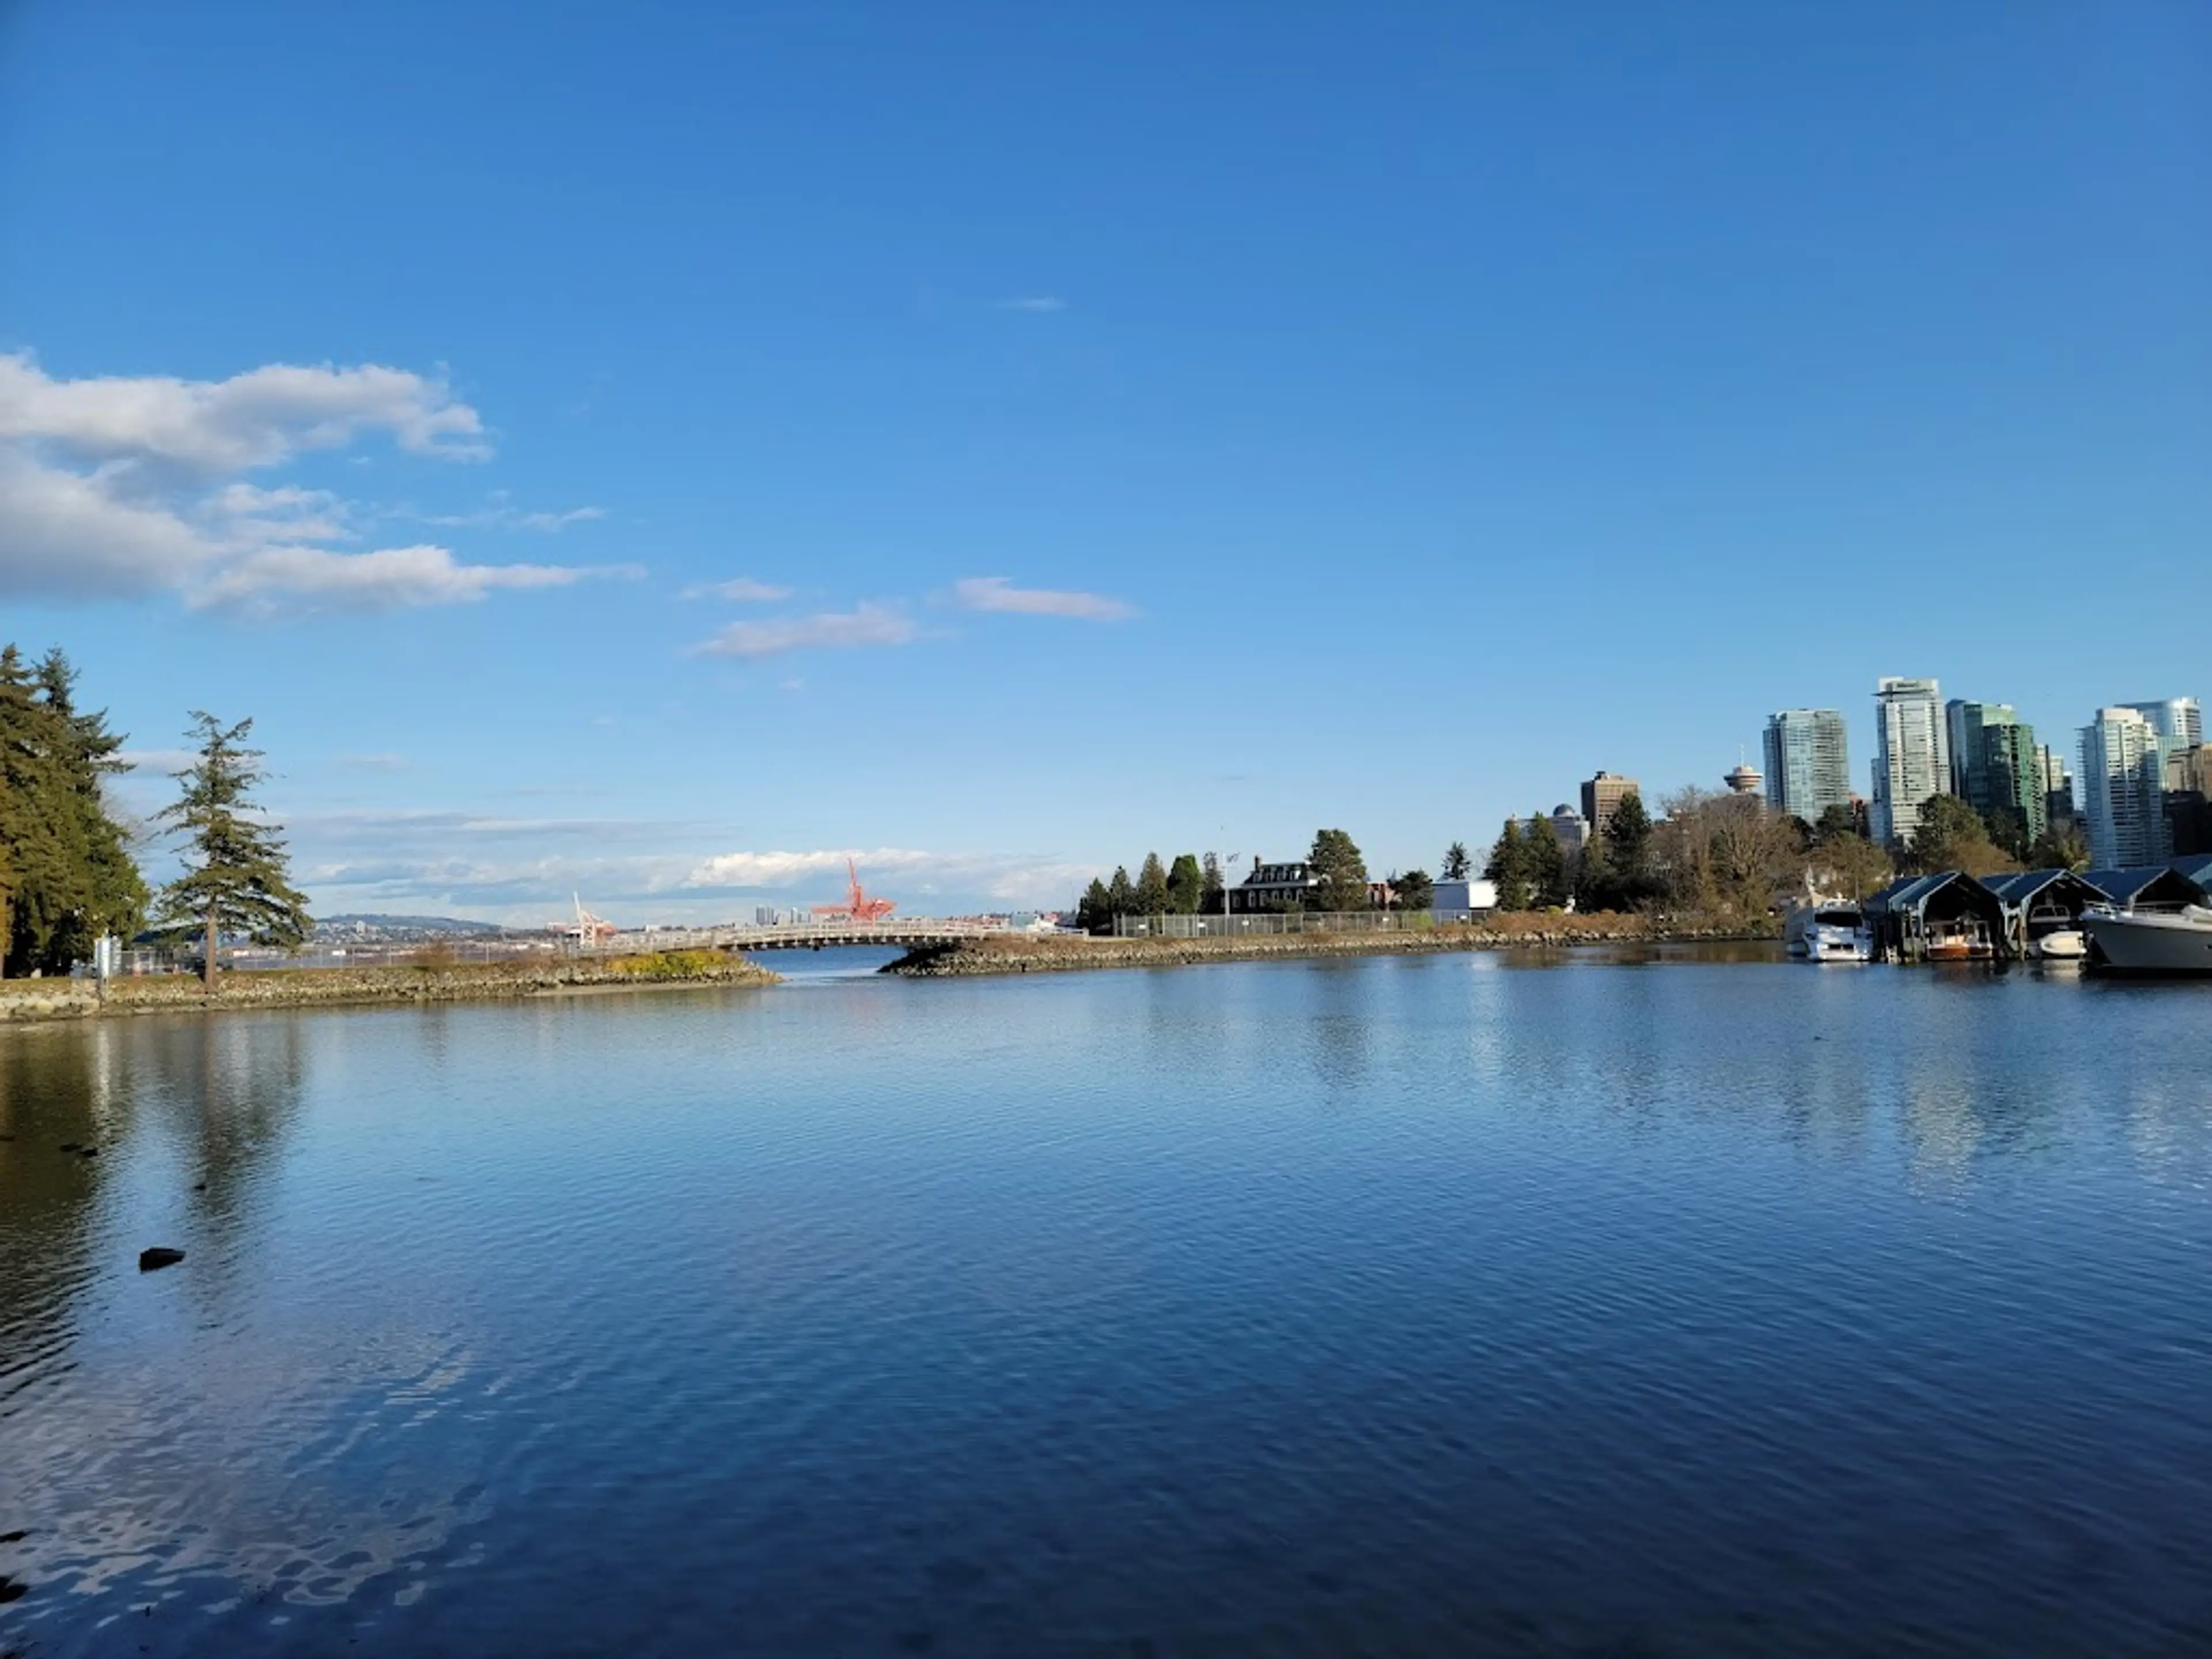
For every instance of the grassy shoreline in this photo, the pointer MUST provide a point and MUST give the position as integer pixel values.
(981, 957)
(28, 1001)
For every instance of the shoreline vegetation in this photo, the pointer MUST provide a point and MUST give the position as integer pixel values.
(24, 1001)
(1078, 952)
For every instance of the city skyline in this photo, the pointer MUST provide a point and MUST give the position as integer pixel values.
(667, 490)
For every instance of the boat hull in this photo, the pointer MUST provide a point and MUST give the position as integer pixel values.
(2152, 944)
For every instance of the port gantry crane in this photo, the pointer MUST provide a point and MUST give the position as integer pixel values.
(857, 906)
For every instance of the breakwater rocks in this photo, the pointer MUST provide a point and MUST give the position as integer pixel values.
(23, 1000)
(1074, 953)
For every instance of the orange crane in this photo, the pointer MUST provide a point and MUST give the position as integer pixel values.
(588, 930)
(857, 906)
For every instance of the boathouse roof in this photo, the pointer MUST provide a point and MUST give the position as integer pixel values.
(2019, 888)
(2198, 868)
(2152, 883)
(1912, 894)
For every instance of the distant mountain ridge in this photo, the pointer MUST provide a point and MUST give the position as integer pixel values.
(405, 924)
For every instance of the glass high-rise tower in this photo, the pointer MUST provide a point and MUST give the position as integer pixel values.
(1911, 755)
(2178, 721)
(1996, 768)
(2123, 789)
(1808, 764)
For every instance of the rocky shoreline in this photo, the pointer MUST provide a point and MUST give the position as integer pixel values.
(1076, 953)
(22, 1002)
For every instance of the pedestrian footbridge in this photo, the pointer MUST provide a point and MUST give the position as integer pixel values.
(817, 935)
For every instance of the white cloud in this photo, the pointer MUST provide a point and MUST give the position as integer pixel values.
(1036, 305)
(742, 589)
(66, 533)
(501, 513)
(112, 487)
(289, 580)
(250, 513)
(523, 870)
(996, 593)
(783, 869)
(864, 624)
(251, 420)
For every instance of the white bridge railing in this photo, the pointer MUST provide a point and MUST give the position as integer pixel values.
(914, 929)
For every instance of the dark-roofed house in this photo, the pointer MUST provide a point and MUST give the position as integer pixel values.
(2040, 902)
(1916, 913)
(2151, 886)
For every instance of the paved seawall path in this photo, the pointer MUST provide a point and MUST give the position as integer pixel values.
(26, 1000)
(1076, 953)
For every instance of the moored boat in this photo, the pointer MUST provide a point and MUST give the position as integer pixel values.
(1827, 930)
(2150, 941)
(1964, 940)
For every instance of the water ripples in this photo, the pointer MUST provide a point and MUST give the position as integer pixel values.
(1437, 1306)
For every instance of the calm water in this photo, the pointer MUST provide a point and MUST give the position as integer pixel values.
(1458, 1306)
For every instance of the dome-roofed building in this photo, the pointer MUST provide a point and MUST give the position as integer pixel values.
(1745, 779)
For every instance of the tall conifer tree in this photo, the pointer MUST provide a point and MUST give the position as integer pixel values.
(1507, 869)
(236, 880)
(66, 875)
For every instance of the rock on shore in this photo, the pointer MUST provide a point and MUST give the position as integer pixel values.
(1075, 952)
(24, 1000)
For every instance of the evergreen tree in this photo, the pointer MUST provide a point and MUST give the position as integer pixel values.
(236, 880)
(1152, 894)
(1341, 871)
(1547, 864)
(33, 833)
(1415, 891)
(1094, 911)
(66, 875)
(1628, 853)
(109, 894)
(1456, 863)
(1213, 900)
(1507, 869)
(1185, 886)
(1120, 900)
(1595, 886)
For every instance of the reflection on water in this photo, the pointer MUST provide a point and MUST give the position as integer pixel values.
(1453, 1305)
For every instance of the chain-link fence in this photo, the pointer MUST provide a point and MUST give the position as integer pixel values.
(1290, 921)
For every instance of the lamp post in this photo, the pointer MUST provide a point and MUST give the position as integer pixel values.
(1227, 859)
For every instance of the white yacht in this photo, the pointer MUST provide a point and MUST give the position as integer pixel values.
(2054, 934)
(2151, 941)
(1827, 930)
(2060, 944)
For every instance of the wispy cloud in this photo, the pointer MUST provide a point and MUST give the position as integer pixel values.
(864, 624)
(287, 581)
(1036, 305)
(744, 590)
(999, 593)
(500, 513)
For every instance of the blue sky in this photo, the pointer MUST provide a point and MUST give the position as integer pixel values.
(1140, 427)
